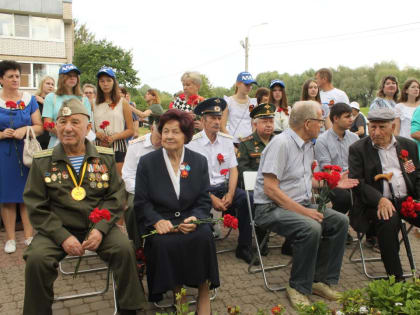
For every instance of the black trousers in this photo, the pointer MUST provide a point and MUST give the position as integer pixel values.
(341, 200)
(239, 204)
(389, 244)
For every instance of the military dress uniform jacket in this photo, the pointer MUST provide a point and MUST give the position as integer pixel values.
(249, 154)
(52, 210)
(364, 165)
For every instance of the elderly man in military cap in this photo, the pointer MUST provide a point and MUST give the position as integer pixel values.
(65, 184)
(383, 153)
(251, 147)
(218, 148)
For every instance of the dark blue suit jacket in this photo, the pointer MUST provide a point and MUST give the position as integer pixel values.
(155, 197)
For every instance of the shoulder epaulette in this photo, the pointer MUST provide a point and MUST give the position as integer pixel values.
(104, 150)
(246, 138)
(139, 139)
(225, 135)
(43, 153)
(197, 136)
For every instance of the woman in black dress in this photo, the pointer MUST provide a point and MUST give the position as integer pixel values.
(172, 188)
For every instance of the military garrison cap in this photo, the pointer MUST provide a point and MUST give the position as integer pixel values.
(381, 114)
(212, 106)
(263, 111)
(71, 107)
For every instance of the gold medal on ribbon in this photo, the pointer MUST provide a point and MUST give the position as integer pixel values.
(78, 193)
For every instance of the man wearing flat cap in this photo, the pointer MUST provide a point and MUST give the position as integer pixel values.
(383, 153)
(218, 148)
(65, 184)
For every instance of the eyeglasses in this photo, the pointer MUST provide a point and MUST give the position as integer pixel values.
(321, 121)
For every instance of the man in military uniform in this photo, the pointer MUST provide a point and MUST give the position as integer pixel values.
(65, 184)
(218, 148)
(251, 147)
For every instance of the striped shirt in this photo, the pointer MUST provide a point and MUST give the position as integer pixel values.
(76, 162)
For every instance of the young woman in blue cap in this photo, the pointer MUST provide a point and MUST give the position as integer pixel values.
(115, 111)
(68, 86)
(235, 120)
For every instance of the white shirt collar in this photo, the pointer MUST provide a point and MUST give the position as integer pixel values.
(175, 178)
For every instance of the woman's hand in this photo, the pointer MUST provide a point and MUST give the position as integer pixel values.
(110, 139)
(8, 133)
(19, 133)
(163, 226)
(187, 227)
(100, 135)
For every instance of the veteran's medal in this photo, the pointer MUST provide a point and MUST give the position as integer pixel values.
(78, 193)
(105, 177)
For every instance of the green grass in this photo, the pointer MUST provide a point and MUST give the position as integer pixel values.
(364, 110)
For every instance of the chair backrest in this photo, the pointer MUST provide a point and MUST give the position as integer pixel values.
(250, 179)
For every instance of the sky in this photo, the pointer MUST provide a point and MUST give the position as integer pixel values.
(168, 38)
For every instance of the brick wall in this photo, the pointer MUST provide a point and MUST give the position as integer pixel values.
(34, 48)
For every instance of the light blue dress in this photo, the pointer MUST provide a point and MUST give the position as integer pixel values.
(13, 173)
(52, 105)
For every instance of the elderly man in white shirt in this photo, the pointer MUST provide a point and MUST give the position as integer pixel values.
(218, 148)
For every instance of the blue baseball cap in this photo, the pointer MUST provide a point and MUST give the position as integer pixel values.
(277, 82)
(67, 67)
(106, 70)
(246, 78)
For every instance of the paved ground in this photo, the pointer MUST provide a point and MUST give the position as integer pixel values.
(238, 287)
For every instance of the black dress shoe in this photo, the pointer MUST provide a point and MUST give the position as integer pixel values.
(244, 253)
(286, 248)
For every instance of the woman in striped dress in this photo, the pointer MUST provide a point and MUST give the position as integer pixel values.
(112, 116)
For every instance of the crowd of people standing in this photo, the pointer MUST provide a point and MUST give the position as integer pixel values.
(196, 152)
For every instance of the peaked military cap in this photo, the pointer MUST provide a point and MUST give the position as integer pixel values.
(211, 106)
(263, 111)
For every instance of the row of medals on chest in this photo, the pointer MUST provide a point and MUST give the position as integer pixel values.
(97, 175)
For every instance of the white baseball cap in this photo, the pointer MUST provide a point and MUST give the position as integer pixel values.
(355, 105)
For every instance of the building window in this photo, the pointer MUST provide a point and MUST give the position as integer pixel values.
(21, 25)
(47, 29)
(6, 24)
(32, 73)
(31, 27)
(41, 70)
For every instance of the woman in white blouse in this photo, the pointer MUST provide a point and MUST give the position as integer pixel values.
(115, 110)
(407, 104)
(235, 119)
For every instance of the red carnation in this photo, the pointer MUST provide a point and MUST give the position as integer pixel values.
(404, 153)
(251, 107)
(220, 158)
(314, 165)
(319, 175)
(105, 123)
(333, 168)
(11, 104)
(97, 215)
(279, 109)
(192, 100)
(276, 310)
(224, 171)
(333, 179)
(230, 221)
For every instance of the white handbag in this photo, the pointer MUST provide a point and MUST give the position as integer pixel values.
(30, 146)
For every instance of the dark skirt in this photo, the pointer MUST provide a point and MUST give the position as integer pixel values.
(180, 259)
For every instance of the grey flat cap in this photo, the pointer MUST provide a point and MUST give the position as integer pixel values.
(381, 114)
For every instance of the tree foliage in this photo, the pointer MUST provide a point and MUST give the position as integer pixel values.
(90, 55)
